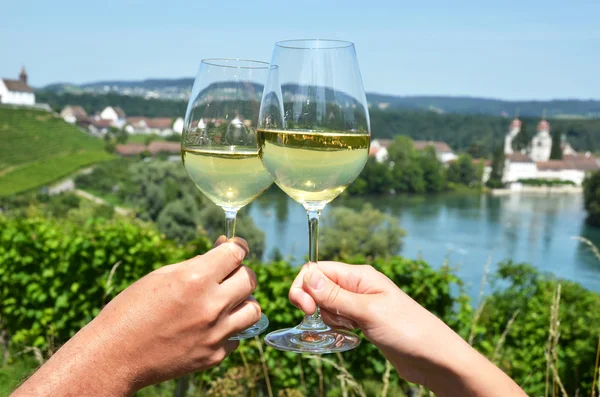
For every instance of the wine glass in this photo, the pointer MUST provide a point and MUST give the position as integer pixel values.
(314, 137)
(219, 148)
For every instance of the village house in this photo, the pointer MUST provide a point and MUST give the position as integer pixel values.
(145, 125)
(73, 114)
(379, 149)
(154, 148)
(115, 114)
(17, 92)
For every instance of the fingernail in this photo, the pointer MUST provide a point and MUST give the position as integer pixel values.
(314, 279)
(220, 241)
(240, 242)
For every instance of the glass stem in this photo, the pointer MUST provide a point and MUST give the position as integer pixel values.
(230, 222)
(313, 251)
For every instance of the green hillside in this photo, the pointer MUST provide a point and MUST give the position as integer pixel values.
(37, 148)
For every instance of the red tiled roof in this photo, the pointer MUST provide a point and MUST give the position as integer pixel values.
(519, 158)
(17, 85)
(102, 123)
(440, 147)
(130, 149)
(570, 162)
(162, 147)
(133, 120)
(76, 111)
(160, 123)
(120, 112)
(385, 142)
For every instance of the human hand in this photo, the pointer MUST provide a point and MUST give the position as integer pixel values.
(358, 296)
(421, 347)
(173, 321)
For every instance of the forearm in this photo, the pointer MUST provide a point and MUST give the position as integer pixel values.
(472, 375)
(84, 366)
(444, 362)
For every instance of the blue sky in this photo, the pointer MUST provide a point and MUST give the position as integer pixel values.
(512, 49)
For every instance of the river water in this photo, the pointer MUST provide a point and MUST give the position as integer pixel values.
(465, 229)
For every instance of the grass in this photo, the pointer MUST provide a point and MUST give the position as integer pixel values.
(12, 375)
(37, 148)
(110, 198)
(40, 173)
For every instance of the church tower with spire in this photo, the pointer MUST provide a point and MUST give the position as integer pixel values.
(23, 75)
(515, 128)
(541, 144)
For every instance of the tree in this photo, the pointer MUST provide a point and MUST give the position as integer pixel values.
(591, 198)
(433, 171)
(497, 173)
(478, 150)
(406, 172)
(556, 151)
(375, 178)
(463, 171)
(522, 140)
(347, 233)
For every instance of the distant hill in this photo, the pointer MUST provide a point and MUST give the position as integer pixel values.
(37, 148)
(460, 131)
(179, 88)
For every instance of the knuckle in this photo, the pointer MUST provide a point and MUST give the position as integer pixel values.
(212, 315)
(332, 295)
(219, 355)
(368, 269)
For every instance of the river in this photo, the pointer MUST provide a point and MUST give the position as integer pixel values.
(466, 229)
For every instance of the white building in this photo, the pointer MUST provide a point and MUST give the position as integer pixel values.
(115, 114)
(536, 164)
(515, 128)
(73, 114)
(162, 126)
(17, 92)
(178, 125)
(518, 166)
(541, 144)
(443, 152)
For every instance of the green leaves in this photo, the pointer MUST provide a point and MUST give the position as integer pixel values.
(54, 274)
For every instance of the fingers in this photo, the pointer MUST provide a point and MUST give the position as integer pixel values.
(331, 296)
(243, 316)
(337, 321)
(223, 259)
(220, 241)
(238, 286)
(300, 298)
(361, 279)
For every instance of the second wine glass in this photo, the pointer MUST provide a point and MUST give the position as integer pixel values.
(314, 136)
(219, 145)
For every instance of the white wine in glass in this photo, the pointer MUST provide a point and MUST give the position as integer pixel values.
(219, 146)
(314, 136)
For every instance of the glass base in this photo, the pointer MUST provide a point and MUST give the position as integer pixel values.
(312, 336)
(254, 330)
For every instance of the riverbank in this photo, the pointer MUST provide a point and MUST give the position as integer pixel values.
(541, 190)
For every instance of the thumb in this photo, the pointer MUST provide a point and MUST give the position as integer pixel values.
(331, 296)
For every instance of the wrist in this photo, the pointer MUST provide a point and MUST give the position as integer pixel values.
(83, 366)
